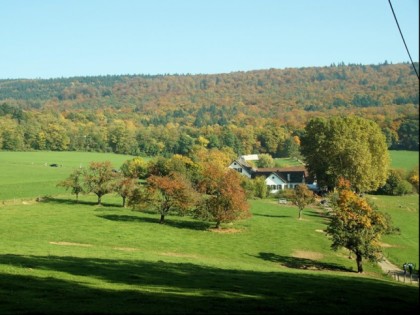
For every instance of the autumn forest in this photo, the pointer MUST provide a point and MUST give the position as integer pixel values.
(262, 111)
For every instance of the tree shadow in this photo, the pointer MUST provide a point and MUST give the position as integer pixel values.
(316, 214)
(301, 263)
(75, 202)
(271, 216)
(76, 285)
(180, 224)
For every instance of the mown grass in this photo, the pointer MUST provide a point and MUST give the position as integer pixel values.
(404, 211)
(406, 160)
(59, 256)
(28, 174)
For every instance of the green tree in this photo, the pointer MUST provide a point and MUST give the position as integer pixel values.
(121, 137)
(350, 147)
(265, 160)
(302, 197)
(125, 187)
(408, 134)
(357, 226)
(413, 178)
(74, 182)
(396, 184)
(56, 137)
(292, 147)
(11, 135)
(135, 168)
(99, 178)
(260, 187)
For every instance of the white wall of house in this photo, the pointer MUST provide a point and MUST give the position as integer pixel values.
(275, 183)
(239, 168)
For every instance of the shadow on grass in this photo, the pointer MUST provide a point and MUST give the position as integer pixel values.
(301, 263)
(53, 284)
(181, 224)
(75, 202)
(316, 214)
(271, 216)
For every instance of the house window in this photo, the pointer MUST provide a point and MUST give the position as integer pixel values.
(239, 170)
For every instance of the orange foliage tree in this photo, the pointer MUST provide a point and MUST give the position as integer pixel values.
(170, 193)
(357, 226)
(225, 199)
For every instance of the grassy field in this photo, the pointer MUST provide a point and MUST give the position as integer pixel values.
(60, 257)
(28, 174)
(406, 160)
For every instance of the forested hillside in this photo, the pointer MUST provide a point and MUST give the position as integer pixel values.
(257, 111)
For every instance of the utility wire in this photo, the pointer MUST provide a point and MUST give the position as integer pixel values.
(396, 20)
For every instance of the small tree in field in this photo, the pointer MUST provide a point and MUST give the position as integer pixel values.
(355, 225)
(170, 193)
(225, 199)
(99, 178)
(302, 197)
(125, 187)
(73, 182)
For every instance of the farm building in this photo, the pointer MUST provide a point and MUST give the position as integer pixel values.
(275, 178)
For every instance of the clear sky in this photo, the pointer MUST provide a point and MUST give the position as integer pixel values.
(64, 38)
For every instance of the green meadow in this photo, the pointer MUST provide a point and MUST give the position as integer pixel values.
(406, 160)
(29, 174)
(57, 256)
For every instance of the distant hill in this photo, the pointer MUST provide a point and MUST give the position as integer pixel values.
(386, 93)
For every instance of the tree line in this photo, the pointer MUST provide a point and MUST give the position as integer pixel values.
(167, 114)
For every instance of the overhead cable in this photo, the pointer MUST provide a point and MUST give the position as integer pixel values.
(396, 20)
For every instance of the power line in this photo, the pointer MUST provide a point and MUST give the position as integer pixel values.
(396, 20)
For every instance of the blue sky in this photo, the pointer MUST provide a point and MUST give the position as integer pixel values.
(64, 38)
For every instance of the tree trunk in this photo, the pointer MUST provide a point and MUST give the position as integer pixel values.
(217, 224)
(77, 198)
(300, 214)
(99, 200)
(162, 219)
(123, 202)
(359, 263)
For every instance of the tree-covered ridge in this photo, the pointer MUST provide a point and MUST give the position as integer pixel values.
(251, 112)
(303, 88)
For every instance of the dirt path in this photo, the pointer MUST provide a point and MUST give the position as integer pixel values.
(397, 273)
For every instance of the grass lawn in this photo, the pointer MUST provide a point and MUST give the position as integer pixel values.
(58, 256)
(406, 160)
(28, 174)
(404, 210)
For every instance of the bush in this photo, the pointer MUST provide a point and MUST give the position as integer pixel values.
(403, 188)
(396, 184)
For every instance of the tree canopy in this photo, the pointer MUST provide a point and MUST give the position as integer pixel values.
(357, 226)
(351, 147)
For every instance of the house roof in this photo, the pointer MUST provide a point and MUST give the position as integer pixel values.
(296, 173)
(244, 165)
